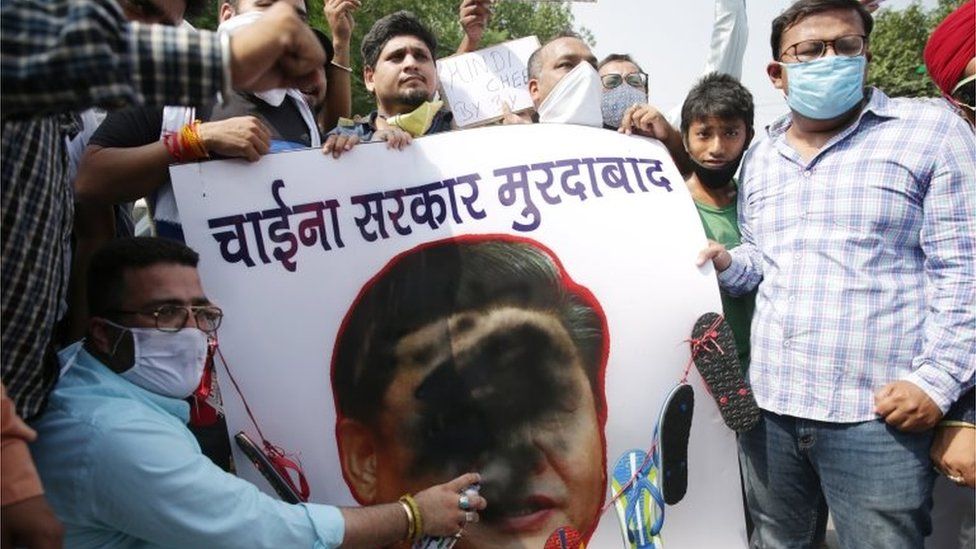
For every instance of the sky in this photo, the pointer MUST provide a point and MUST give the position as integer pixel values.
(670, 38)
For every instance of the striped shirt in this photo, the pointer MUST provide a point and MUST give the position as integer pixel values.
(864, 260)
(58, 56)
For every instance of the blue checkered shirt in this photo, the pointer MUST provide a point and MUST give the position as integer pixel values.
(58, 56)
(864, 260)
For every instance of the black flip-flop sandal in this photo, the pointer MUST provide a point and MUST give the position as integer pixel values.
(674, 428)
(714, 353)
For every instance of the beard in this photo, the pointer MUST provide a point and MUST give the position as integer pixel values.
(413, 97)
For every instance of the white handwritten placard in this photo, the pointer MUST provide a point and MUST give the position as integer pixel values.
(476, 84)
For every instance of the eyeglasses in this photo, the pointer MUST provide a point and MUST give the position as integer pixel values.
(172, 318)
(635, 79)
(965, 92)
(846, 46)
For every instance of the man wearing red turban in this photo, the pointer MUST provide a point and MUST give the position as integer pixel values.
(950, 57)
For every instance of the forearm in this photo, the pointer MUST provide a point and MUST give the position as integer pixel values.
(20, 480)
(94, 226)
(374, 526)
(467, 45)
(59, 55)
(338, 93)
(729, 35)
(113, 175)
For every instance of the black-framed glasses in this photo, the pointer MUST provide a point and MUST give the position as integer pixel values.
(965, 92)
(850, 45)
(172, 318)
(635, 79)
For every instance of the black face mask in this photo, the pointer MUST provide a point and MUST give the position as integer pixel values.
(716, 178)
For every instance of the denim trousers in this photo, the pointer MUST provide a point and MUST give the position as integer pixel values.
(876, 482)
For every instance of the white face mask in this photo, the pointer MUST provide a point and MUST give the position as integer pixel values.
(273, 97)
(166, 363)
(576, 99)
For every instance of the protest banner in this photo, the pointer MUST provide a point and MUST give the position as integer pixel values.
(476, 84)
(515, 299)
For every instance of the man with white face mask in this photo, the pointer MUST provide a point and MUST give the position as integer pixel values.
(120, 467)
(856, 214)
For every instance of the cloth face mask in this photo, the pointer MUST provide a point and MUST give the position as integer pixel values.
(166, 363)
(576, 99)
(616, 101)
(825, 88)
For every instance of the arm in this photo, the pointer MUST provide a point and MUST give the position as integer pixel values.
(25, 517)
(647, 121)
(69, 55)
(386, 524)
(945, 367)
(152, 483)
(954, 446)
(338, 93)
(740, 269)
(473, 16)
(729, 36)
(133, 163)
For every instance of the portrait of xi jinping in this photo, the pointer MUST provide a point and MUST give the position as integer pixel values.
(477, 353)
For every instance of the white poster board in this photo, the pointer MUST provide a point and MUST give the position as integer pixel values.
(611, 210)
(476, 84)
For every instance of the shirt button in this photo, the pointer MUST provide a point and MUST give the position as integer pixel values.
(792, 298)
(786, 344)
(807, 173)
(797, 256)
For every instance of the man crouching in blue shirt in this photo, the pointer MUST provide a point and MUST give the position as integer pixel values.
(119, 465)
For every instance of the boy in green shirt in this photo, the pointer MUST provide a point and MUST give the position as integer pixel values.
(716, 126)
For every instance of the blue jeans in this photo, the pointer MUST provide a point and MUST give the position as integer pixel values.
(876, 481)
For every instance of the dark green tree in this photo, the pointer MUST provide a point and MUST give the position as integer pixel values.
(511, 19)
(897, 43)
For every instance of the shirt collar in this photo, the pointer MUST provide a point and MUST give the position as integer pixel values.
(878, 104)
(75, 356)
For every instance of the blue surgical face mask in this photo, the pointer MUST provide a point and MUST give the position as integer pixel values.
(825, 88)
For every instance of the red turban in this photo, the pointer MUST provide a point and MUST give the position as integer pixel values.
(951, 47)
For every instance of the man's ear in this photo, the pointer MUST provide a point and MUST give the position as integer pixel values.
(534, 91)
(775, 71)
(368, 79)
(226, 12)
(357, 456)
(113, 346)
(752, 134)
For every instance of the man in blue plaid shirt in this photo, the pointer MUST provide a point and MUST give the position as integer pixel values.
(857, 216)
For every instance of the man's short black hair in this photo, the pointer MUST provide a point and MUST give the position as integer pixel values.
(401, 23)
(618, 57)
(437, 280)
(805, 8)
(720, 95)
(534, 66)
(106, 272)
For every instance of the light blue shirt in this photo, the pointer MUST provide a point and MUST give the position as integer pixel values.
(863, 256)
(120, 469)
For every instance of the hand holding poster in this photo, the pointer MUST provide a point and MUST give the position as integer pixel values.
(398, 318)
(476, 84)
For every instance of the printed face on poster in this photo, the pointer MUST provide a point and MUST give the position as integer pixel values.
(512, 300)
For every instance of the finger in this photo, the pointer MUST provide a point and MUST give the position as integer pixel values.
(885, 405)
(463, 481)
(264, 132)
(707, 254)
(261, 146)
(340, 146)
(329, 143)
(896, 418)
(251, 153)
(476, 502)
